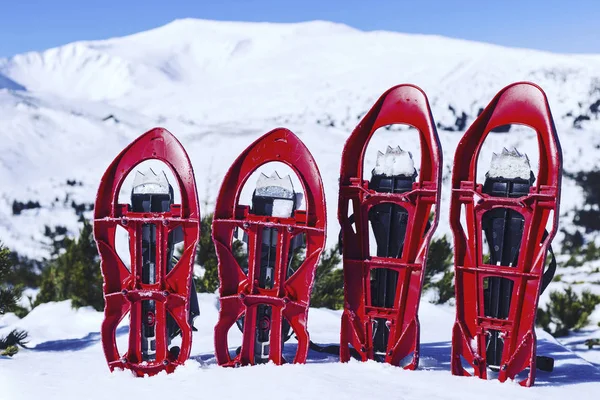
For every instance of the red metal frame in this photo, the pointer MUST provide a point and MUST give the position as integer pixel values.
(123, 290)
(239, 293)
(526, 104)
(403, 104)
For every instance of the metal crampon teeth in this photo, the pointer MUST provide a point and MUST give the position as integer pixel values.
(510, 164)
(150, 182)
(394, 162)
(275, 186)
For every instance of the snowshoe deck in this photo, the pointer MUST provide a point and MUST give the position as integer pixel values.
(267, 309)
(496, 300)
(155, 292)
(382, 292)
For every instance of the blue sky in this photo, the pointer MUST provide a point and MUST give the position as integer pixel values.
(560, 26)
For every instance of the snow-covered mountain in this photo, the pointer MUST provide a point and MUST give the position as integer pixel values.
(66, 112)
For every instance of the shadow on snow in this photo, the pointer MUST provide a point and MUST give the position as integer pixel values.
(568, 368)
(75, 344)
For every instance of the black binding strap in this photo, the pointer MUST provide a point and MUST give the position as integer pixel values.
(332, 349)
(549, 273)
(340, 240)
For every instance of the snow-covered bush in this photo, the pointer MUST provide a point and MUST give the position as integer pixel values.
(74, 274)
(206, 257)
(328, 290)
(567, 310)
(439, 262)
(9, 296)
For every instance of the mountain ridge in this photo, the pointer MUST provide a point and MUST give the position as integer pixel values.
(218, 92)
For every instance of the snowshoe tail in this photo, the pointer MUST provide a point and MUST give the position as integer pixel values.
(264, 298)
(497, 293)
(382, 291)
(158, 290)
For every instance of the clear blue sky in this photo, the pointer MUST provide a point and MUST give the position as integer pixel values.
(561, 26)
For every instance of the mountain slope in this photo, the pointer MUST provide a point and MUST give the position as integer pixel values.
(196, 68)
(220, 85)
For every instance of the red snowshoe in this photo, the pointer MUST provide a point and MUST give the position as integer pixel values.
(382, 291)
(497, 293)
(157, 290)
(268, 298)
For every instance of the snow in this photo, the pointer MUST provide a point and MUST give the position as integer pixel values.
(6, 83)
(56, 321)
(66, 361)
(394, 162)
(28, 297)
(282, 208)
(510, 165)
(8, 319)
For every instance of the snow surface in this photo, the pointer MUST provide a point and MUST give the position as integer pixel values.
(6, 83)
(66, 361)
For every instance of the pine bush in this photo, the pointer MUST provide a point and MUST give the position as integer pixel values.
(566, 311)
(75, 274)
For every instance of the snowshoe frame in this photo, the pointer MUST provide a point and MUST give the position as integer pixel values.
(240, 294)
(519, 103)
(402, 104)
(124, 290)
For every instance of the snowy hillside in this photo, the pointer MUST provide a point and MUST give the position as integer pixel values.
(69, 364)
(217, 86)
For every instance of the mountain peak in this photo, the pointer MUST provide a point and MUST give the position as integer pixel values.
(188, 28)
(317, 26)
